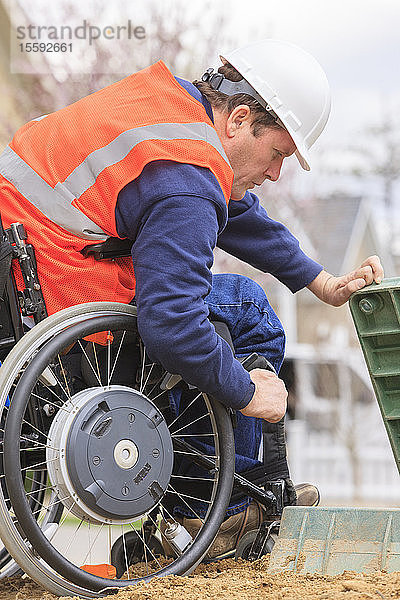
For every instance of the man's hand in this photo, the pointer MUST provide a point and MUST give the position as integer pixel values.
(269, 399)
(337, 290)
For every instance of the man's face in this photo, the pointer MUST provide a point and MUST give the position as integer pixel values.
(253, 159)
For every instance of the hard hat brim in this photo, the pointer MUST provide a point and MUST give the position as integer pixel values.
(301, 152)
(303, 159)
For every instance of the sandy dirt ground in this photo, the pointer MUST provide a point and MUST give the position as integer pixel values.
(230, 580)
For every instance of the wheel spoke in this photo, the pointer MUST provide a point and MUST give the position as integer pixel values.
(65, 517)
(64, 374)
(89, 552)
(72, 537)
(162, 533)
(191, 423)
(40, 432)
(155, 386)
(46, 401)
(27, 476)
(158, 395)
(108, 358)
(97, 361)
(37, 512)
(194, 454)
(193, 435)
(40, 489)
(147, 378)
(145, 547)
(89, 362)
(142, 371)
(144, 541)
(185, 409)
(89, 532)
(181, 495)
(164, 508)
(53, 502)
(36, 444)
(117, 355)
(60, 385)
(193, 478)
(44, 462)
(125, 553)
(173, 491)
(109, 543)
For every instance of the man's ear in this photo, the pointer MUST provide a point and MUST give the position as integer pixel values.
(239, 115)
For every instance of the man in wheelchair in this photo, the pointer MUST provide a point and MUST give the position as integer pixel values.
(168, 166)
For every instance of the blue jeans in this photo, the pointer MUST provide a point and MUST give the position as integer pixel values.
(242, 304)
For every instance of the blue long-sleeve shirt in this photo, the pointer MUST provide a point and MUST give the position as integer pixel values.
(176, 214)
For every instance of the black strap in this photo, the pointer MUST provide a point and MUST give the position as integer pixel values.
(5, 264)
(220, 83)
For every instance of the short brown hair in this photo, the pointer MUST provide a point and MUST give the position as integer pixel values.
(261, 117)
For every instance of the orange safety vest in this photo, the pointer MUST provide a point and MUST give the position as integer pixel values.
(61, 175)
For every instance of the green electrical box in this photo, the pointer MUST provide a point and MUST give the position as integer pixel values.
(331, 540)
(376, 314)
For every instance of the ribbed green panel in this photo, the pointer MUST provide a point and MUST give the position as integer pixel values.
(376, 315)
(328, 541)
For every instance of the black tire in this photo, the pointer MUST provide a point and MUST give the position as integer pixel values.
(132, 550)
(245, 544)
(66, 577)
(34, 485)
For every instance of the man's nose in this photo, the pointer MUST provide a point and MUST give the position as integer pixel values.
(273, 171)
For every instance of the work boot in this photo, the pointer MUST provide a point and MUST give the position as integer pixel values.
(307, 494)
(229, 534)
(234, 527)
(302, 494)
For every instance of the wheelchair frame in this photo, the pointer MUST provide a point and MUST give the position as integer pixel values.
(29, 362)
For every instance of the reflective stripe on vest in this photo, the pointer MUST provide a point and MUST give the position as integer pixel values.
(48, 200)
(56, 203)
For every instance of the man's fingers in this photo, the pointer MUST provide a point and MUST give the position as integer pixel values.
(264, 374)
(337, 290)
(368, 272)
(269, 399)
(354, 285)
(344, 292)
(365, 273)
(376, 266)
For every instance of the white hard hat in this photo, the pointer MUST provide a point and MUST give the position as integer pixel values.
(292, 84)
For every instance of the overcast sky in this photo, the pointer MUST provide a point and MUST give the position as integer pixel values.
(356, 41)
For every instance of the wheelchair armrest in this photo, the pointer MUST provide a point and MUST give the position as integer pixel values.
(222, 330)
(170, 380)
(111, 248)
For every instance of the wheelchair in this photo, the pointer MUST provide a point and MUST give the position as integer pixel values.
(94, 454)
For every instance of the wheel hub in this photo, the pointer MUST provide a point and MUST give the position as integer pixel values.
(126, 454)
(111, 454)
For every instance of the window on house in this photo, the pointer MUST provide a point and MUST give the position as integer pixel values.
(325, 380)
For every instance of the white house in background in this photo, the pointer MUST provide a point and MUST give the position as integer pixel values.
(336, 437)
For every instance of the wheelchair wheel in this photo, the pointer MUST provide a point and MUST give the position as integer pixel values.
(34, 484)
(119, 455)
